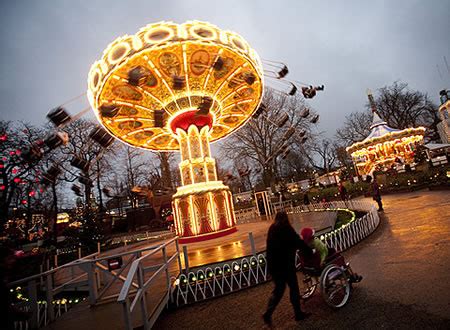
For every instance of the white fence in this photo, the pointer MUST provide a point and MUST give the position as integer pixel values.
(246, 215)
(216, 280)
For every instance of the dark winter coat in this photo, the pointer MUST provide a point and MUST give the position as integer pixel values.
(282, 244)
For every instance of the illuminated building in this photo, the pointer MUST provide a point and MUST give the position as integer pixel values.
(179, 87)
(385, 146)
(444, 125)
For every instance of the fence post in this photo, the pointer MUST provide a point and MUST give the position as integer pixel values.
(98, 247)
(56, 260)
(41, 279)
(32, 293)
(49, 297)
(167, 269)
(79, 253)
(252, 243)
(186, 259)
(179, 257)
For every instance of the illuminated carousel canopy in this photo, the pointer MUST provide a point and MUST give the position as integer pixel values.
(380, 132)
(385, 146)
(145, 81)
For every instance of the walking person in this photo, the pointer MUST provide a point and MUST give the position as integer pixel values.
(306, 199)
(375, 191)
(343, 192)
(282, 244)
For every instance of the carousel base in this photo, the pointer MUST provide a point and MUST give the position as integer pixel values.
(205, 237)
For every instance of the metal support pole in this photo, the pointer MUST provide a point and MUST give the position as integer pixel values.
(41, 279)
(178, 257)
(98, 247)
(140, 276)
(167, 269)
(127, 315)
(79, 253)
(49, 297)
(252, 243)
(186, 259)
(92, 282)
(32, 293)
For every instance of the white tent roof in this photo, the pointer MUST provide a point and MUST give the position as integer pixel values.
(435, 146)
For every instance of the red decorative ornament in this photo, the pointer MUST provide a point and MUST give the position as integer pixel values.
(2, 187)
(24, 202)
(18, 152)
(3, 137)
(186, 119)
(17, 180)
(14, 171)
(12, 153)
(32, 193)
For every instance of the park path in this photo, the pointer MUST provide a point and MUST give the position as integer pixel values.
(406, 269)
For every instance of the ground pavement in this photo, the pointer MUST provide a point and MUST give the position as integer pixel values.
(406, 285)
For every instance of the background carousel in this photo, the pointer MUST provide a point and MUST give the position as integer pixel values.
(384, 146)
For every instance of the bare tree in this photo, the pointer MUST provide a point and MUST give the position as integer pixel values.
(19, 179)
(260, 141)
(296, 166)
(402, 107)
(322, 155)
(96, 163)
(165, 159)
(356, 128)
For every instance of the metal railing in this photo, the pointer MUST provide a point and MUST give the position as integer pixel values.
(143, 236)
(41, 313)
(89, 274)
(139, 271)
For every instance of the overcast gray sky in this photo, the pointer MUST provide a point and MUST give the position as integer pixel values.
(47, 47)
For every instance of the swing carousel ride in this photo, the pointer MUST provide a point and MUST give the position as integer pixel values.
(176, 87)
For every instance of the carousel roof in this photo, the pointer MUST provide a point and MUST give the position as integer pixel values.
(379, 128)
(144, 81)
(380, 132)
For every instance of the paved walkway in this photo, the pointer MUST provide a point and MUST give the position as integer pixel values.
(406, 285)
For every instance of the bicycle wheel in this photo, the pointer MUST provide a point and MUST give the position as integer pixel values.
(335, 286)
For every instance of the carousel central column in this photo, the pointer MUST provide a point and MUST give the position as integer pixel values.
(203, 206)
